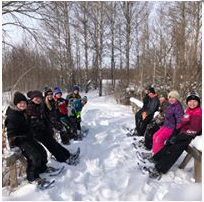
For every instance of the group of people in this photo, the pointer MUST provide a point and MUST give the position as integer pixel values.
(166, 129)
(30, 123)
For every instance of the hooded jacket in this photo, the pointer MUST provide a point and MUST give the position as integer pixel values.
(17, 125)
(191, 123)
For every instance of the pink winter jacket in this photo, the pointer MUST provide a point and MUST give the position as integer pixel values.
(191, 122)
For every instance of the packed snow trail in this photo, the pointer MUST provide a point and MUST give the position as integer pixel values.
(108, 164)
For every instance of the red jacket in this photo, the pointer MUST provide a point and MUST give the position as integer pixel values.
(191, 122)
(61, 106)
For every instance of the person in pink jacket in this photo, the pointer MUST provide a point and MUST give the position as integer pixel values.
(191, 126)
(173, 115)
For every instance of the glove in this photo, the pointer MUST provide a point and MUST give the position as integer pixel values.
(144, 115)
(176, 131)
(172, 140)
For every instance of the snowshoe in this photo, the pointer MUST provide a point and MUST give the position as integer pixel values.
(154, 173)
(74, 158)
(51, 169)
(56, 171)
(130, 132)
(135, 145)
(141, 143)
(43, 183)
(46, 184)
(145, 158)
(84, 132)
(144, 169)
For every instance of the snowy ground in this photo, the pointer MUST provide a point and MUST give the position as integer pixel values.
(108, 165)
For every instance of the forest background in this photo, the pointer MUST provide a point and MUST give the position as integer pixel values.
(130, 43)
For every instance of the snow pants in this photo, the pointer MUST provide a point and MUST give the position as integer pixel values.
(152, 128)
(160, 137)
(169, 154)
(138, 117)
(36, 157)
(46, 138)
(142, 125)
(65, 137)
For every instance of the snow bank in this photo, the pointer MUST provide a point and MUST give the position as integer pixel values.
(197, 143)
(136, 102)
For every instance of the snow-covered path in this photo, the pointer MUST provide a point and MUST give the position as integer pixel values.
(108, 165)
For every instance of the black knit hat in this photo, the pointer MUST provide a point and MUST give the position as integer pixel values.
(151, 90)
(47, 91)
(193, 96)
(18, 97)
(35, 93)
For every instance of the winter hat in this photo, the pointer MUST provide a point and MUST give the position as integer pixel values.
(18, 97)
(192, 96)
(57, 91)
(85, 99)
(151, 90)
(163, 94)
(174, 94)
(76, 88)
(34, 93)
(47, 91)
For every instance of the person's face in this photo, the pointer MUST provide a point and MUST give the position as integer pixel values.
(58, 95)
(50, 96)
(37, 100)
(22, 105)
(76, 92)
(162, 99)
(146, 91)
(192, 104)
(83, 102)
(172, 100)
(150, 94)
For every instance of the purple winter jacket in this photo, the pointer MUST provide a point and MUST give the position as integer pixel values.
(173, 115)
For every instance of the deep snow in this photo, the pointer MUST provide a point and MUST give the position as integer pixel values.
(108, 165)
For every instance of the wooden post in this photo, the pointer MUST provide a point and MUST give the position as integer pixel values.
(197, 171)
(185, 161)
(13, 176)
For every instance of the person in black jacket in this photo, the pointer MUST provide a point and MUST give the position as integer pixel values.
(20, 135)
(49, 105)
(138, 115)
(42, 132)
(147, 113)
(157, 122)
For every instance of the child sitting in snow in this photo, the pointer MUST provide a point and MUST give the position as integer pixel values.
(51, 114)
(146, 115)
(42, 131)
(74, 113)
(61, 106)
(75, 94)
(173, 116)
(20, 135)
(157, 121)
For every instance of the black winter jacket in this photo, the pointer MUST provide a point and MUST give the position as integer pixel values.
(37, 118)
(152, 106)
(17, 125)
